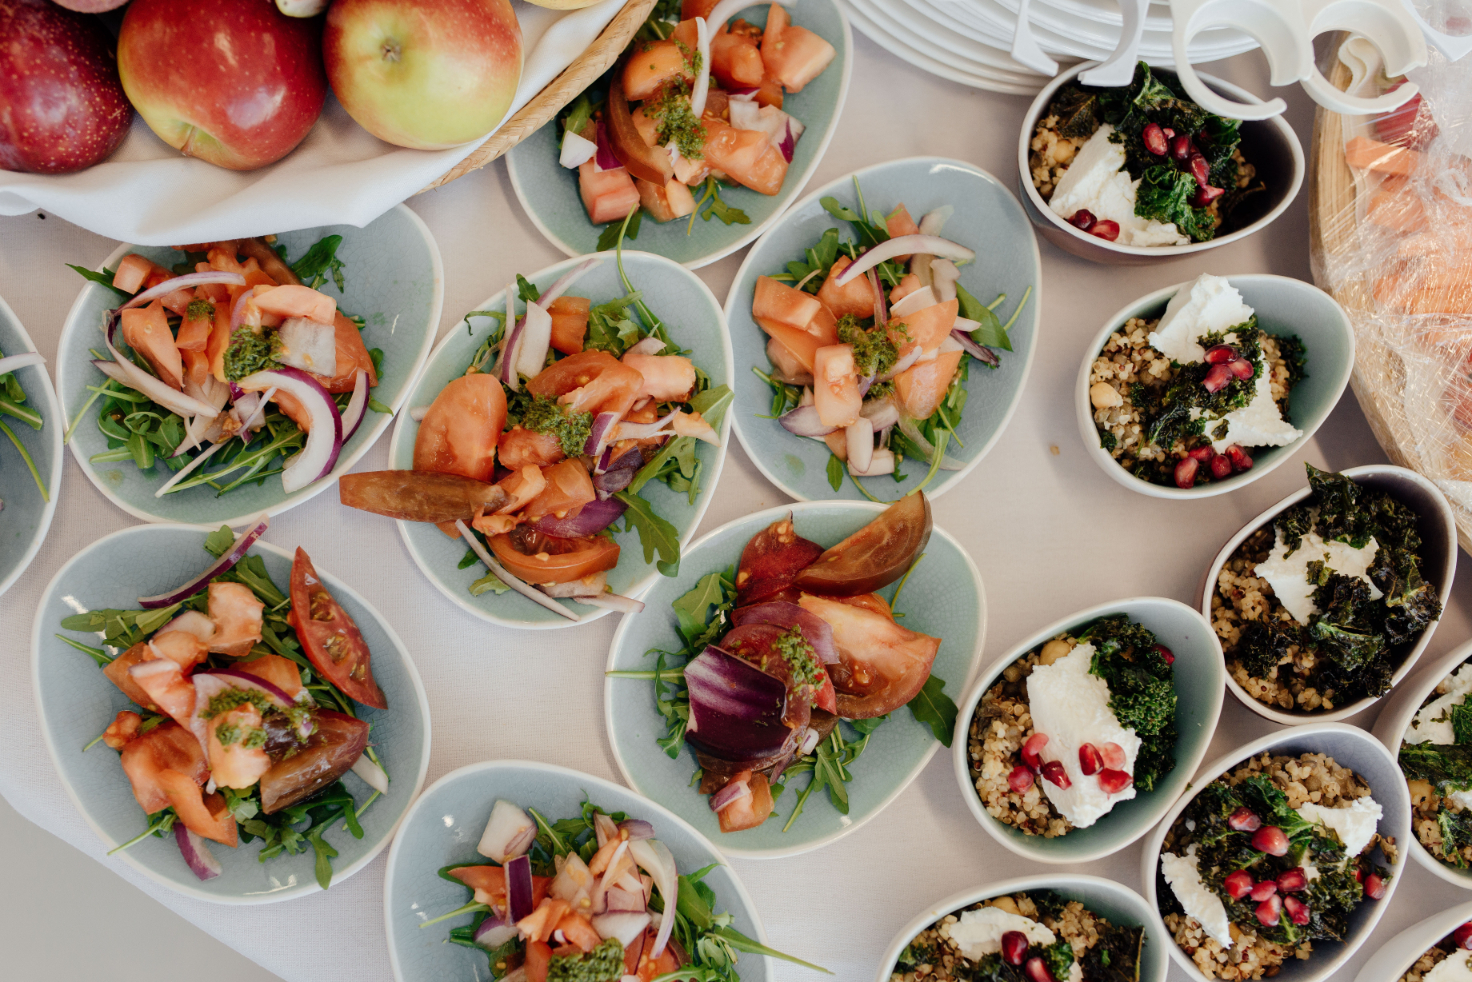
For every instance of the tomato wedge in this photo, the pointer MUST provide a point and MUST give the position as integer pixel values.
(329, 637)
(539, 558)
(881, 665)
(642, 160)
(874, 556)
(771, 560)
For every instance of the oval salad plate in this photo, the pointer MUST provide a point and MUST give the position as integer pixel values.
(76, 702)
(1005, 274)
(445, 825)
(550, 195)
(393, 280)
(941, 596)
(692, 316)
(30, 453)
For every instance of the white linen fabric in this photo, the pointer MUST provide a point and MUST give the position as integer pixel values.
(147, 193)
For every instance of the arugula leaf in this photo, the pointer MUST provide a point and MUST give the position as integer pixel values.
(932, 707)
(835, 471)
(613, 231)
(991, 333)
(320, 261)
(693, 609)
(490, 583)
(581, 111)
(527, 290)
(219, 541)
(721, 210)
(104, 277)
(655, 534)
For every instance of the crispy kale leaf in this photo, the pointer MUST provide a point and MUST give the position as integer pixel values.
(1141, 691)
(1264, 644)
(1445, 766)
(1456, 835)
(1115, 957)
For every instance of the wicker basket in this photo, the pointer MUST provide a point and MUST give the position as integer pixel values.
(545, 105)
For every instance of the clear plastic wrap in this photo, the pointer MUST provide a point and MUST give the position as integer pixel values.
(1392, 241)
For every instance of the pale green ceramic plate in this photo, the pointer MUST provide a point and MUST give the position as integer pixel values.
(76, 702)
(943, 598)
(549, 192)
(394, 279)
(27, 512)
(446, 822)
(693, 317)
(988, 219)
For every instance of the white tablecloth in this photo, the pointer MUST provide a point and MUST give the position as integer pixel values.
(1050, 533)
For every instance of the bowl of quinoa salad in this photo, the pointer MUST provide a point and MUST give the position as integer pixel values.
(1203, 387)
(1262, 161)
(1281, 859)
(1425, 723)
(1108, 930)
(1127, 696)
(1414, 954)
(1317, 616)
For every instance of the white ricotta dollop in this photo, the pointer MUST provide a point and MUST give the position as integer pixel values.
(1071, 707)
(1210, 305)
(1354, 824)
(1456, 967)
(978, 933)
(1196, 897)
(1096, 181)
(1258, 424)
(1433, 723)
(1288, 574)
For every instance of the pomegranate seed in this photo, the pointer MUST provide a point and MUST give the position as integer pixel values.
(1298, 911)
(1032, 748)
(1238, 884)
(1221, 466)
(1199, 169)
(1271, 840)
(1205, 195)
(1219, 353)
(1054, 773)
(1181, 147)
(1359, 876)
(1107, 229)
(1112, 781)
(1217, 378)
(1244, 819)
(1186, 473)
(1462, 936)
(1020, 779)
(1037, 970)
(1166, 653)
(1374, 886)
(1113, 755)
(1242, 368)
(1154, 139)
(1240, 458)
(1269, 910)
(1202, 455)
(1082, 219)
(1089, 759)
(1293, 880)
(1169, 133)
(1264, 890)
(1014, 947)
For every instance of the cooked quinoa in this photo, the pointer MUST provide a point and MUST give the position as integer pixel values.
(1129, 376)
(1306, 778)
(1428, 806)
(1426, 962)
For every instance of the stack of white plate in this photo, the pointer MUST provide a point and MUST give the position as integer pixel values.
(969, 41)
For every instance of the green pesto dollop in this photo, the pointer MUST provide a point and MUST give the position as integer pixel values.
(199, 309)
(801, 658)
(603, 963)
(234, 699)
(546, 415)
(249, 353)
(874, 352)
(674, 120)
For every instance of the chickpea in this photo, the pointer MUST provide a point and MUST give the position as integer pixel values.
(1054, 650)
(1420, 792)
(1105, 396)
(1005, 903)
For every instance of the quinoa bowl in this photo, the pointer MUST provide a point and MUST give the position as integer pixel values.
(1098, 900)
(1319, 766)
(1400, 958)
(1124, 393)
(1233, 597)
(995, 723)
(1270, 145)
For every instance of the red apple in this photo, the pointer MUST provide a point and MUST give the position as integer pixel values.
(61, 107)
(234, 82)
(427, 74)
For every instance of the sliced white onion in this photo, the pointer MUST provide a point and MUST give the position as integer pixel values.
(944, 274)
(624, 925)
(693, 424)
(903, 245)
(804, 421)
(506, 827)
(643, 431)
(913, 301)
(11, 363)
(613, 601)
(881, 413)
(647, 346)
(372, 775)
(418, 413)
(352, 416)
(536, 338)
(324, 439)
(565, 282)
(187, 469)
(654, 856)
(950, 344)
(576, 150)
(507, 369)
(515, 583)
(935, 220)
(860, 434)
(308, 345)
(880, 464)
(701, 89)
(187, 281)
(905, 361)
(745, 114)
(810, 739)
(237, 312)
(129, 374)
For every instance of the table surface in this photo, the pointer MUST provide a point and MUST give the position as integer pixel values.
(1050, 533)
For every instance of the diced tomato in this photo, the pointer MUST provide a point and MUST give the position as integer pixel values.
(775, 301)
(167, 746)
(196, 368)
(799, 343)
(234, 765)
(538, 958)
(921, 387)
(531, 556)
(123, 728)
(489, 884)
(824, 326)
(568, 488)
(691, 9)
(825, 698)
(798, 57)
(777, 21)
(521, 448)
(178, 301)
(293, 409)
(295, 301)
(908, 284)
(609, 195)
(207, 817)
(854, 297)
(745, 156)
(735, 61)
(166, 686)
(769, 93)
(329, 636)
(578, 930)
(751, 810)
(927, 327)
(180, 647)
(900, 223)
(592, 381)
(569, 323)
(194, 332)
(280, 672)
(523, 486)
(351, 357)
(666, 203)
(784, 360)
(686, 33)
(667, 378)
(237, 616)
(146, 330)
(651, 66)
(647, 127)
(132, 271)
(222, 258)
(460, 432)
(540, 923)
(219, 340)
(117, 673)
(836, 385)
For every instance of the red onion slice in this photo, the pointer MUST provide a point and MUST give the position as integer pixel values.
(11, 363)
(129, 374)
(626, 926)
(237, 312)
(735, 707)
(222, 565)
(494, 931)
(744, 92)
(371, 774)
(519, 887)
(882, 413)
(621, 901)
(202, 862)
(733, 792)
(701, 89)
(512, 344)
(881, 299)
(576, 150)
(788, 146)
(604, 827)
(324, 439)
(241, 679)
(784, 614)
(531, 593)
(566, 280)
(506, 829)
(601, 434)
(903, 245)
(352, 416)
(880, 463)
(804, 421)
(309, 345)
(592, 518)
(605, 158)
(936, 219)
(913, 301)
(981, 354)
(536, 338)
(647, 346)
(636, 828)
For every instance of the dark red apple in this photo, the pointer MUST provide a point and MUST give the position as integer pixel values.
(61, 107)
(234, 82)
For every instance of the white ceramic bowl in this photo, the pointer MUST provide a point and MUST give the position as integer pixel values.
(1395, 957)
(1284, 306)
(1268, 144)
(1118, 903)
(1438, 530)
(1199, 673)
(1391, 725)
(1350, 747)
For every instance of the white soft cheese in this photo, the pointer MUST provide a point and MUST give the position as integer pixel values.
(1354, 824)
(1210, 305)
(1096, 181)
(978, 933)
(1071, 707)
(1196, 898)
(1456, 967)
(1433, 724)
(1258, 424)
(1288, 574)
